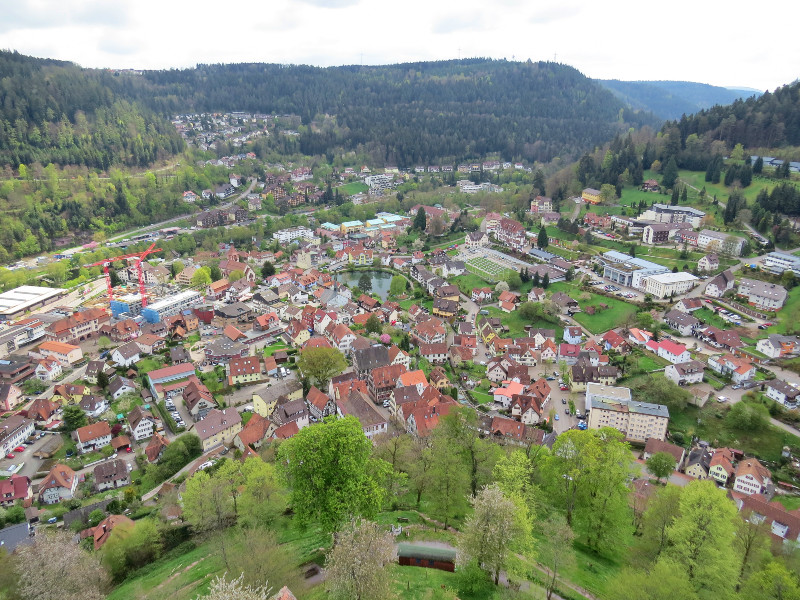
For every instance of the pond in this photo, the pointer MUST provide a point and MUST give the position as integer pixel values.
(380, 281)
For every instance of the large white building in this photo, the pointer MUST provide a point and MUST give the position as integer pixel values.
(286, 236)
(721, 242)
(610, 406)
(761, 294)
(171, 306)
(14, 303)
(665, 213)
(629, 271)
(778, 262)
(668, 284)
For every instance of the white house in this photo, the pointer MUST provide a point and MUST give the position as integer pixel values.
(751, 477)
(783, 393)
(92, 437)
(685, 373)
(119, 386)
(141, 423)
(48, 370)
(674, 353)
(739, 369)
(763, 295)
(720, 284)
(573, 335)
(126, 355)
(94, 405)
(775, 345)
(60, 484)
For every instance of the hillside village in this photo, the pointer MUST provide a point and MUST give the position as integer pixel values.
(534, 336)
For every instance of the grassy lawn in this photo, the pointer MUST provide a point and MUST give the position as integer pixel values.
(355, 187)
(717, 384)
(651, 362)
(709, 317)
(516, 323)
(765, 444)
(789, 502)
(788, 320)
(150, 363)
(603, 320)
(270, 350)
(468, 281)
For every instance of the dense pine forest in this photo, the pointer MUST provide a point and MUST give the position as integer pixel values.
(53, 111)
(769, 121)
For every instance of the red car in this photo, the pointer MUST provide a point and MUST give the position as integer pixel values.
(9, 455)
(128, 449)
(19, 449)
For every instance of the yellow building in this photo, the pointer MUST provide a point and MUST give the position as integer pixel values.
(351, 227)
(219, 427)
(591, 196)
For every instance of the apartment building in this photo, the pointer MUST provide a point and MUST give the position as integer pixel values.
(613, 407)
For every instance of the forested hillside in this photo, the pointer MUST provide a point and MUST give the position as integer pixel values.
(671, 99)
(52, 111)
(769, 121)
(55, 112)
(416, 112)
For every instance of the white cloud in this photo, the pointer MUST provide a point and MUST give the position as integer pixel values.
(621, 39)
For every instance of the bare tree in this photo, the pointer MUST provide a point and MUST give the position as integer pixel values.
(357, 563)
(556, 553)
(53, 567)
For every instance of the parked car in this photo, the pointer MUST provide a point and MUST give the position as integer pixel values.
(9, 455)
(557, 419)
(19, 449)
(722, 398)
(563, 401)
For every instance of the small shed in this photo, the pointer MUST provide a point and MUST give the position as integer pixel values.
(412, 555)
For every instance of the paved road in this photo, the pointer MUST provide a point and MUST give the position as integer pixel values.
(161, 224)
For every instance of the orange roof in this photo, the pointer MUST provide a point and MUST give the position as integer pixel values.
(413, 378)
(284, 432)
(57, 347)
(93, 431)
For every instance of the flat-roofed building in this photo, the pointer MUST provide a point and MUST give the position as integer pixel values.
(669, 284)
(14, 303)
(174, 305)
(613, 407)
(666, 213)
(627, 270)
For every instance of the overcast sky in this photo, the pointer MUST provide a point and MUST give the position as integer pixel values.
(743, 44)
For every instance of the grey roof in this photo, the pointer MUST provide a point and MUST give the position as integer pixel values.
(129, 350)
(681, 318)
(13, 536)
(118, 383)
(110, 471)
(370, 358)
(689, 367)
(763, 289)
(784, 388)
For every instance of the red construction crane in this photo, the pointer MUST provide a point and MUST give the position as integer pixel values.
(138, 255)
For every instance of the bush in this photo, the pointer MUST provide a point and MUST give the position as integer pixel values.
(747, 417)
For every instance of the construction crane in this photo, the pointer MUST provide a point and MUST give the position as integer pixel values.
(140, 256)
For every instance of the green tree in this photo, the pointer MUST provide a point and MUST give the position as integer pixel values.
(215, 272)
(267, 269)
(664, 581)
(747, 417)
(773, 582)
(541, 240)
(176, 267)
(263, 499)
(131, 546)
(514, 281)
(95, 517)
(365, 282)
(420, 220)
(661, 511)
(670, 175)
(320, 364)
(494, 530)
(104, 342)
(74, 418)
(556, 551)
(546, 281)
(373, 324)
(447, 480)
(331, 474)
(235, 275)
(608, 193)
(201, 277)
(398, 285)
(701, 539)
(661, 464)
(102, 380)
(357, 565)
